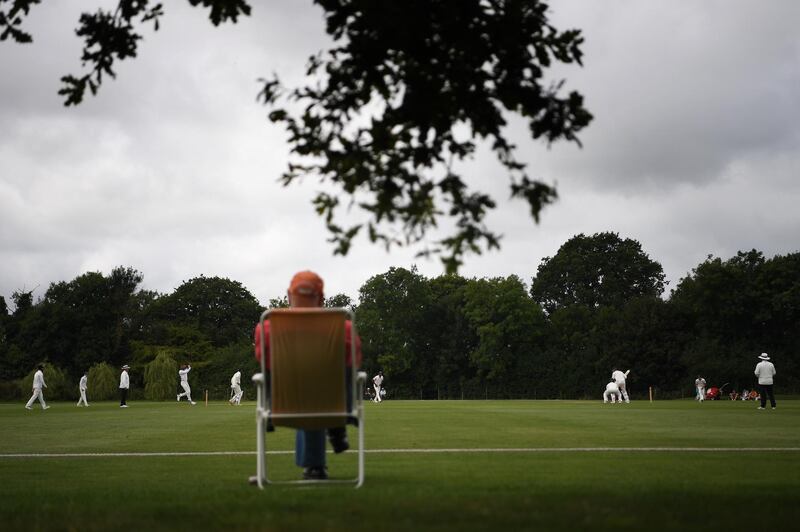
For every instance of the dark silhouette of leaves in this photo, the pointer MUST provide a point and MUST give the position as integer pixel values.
(11, 19)
(407, 92)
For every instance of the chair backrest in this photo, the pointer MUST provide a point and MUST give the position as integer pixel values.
(307, 378)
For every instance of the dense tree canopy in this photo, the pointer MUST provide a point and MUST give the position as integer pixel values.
(391, 314)
(107, 319)
(223, 310)
(598, 270)
(508, 325)
(408, 91)
(445, 337)
(739, 306)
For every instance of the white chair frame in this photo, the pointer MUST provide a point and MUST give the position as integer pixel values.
(263, 412)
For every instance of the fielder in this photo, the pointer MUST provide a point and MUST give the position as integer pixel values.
(377, 380)
(612, 393)
(82, 389)
(236, 388)
(619, 377)
(700, 384)
(184, 374)
(38, 384)
(124, 386)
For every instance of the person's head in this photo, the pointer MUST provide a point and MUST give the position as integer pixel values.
(40, 367)
(763, 356)
(126, 367)
(306, 290)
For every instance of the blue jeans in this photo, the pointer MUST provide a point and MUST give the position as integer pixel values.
(309, 448)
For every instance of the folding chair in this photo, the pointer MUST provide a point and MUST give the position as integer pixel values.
(307, 382)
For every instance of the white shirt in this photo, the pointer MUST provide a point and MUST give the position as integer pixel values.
(612, 387)
(765, 371)
(38, 380)
(700, 383)
(236, 379)
(124, 381)
(377, 380)
(619, 377)
(184, 373)
(82, 384)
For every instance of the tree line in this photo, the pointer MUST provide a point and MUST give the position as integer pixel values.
(597, 304)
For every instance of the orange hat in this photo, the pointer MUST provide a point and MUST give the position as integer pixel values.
(306, 283)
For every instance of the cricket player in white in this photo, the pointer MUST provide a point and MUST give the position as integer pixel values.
(377, 380)
(184, 373)
(765, 371)
(700, 384)
(38, 384)
(612, 393)
(124, 386)
(82, 389)
(619, 378)
(236, 388)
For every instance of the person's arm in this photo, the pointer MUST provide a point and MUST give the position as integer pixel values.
(257, 343)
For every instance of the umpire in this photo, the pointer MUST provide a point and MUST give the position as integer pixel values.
(765, 371)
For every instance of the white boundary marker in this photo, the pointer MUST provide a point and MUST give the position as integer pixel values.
(422, 451)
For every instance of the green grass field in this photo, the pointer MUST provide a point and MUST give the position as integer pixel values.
(585, 474)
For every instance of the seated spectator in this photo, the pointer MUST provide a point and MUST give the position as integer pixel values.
(306, 290)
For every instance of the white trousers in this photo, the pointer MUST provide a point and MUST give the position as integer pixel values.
(377, 393)
(613, 396)
(701, 393)
(623, 392)
(37, 393)
(83, 398)
(186, 393)
(236, 398)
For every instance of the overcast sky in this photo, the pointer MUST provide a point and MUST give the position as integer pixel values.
(172, 169)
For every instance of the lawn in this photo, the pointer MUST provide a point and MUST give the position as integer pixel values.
(510, 465)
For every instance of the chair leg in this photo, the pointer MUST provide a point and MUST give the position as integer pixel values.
(260, 466)
(360, 449)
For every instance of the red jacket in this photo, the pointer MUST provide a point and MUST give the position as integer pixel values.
(348, 334)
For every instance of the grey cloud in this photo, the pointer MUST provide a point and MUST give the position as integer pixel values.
(679, 90)
(173, 168)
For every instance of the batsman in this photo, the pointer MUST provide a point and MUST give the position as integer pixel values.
(619, 377)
